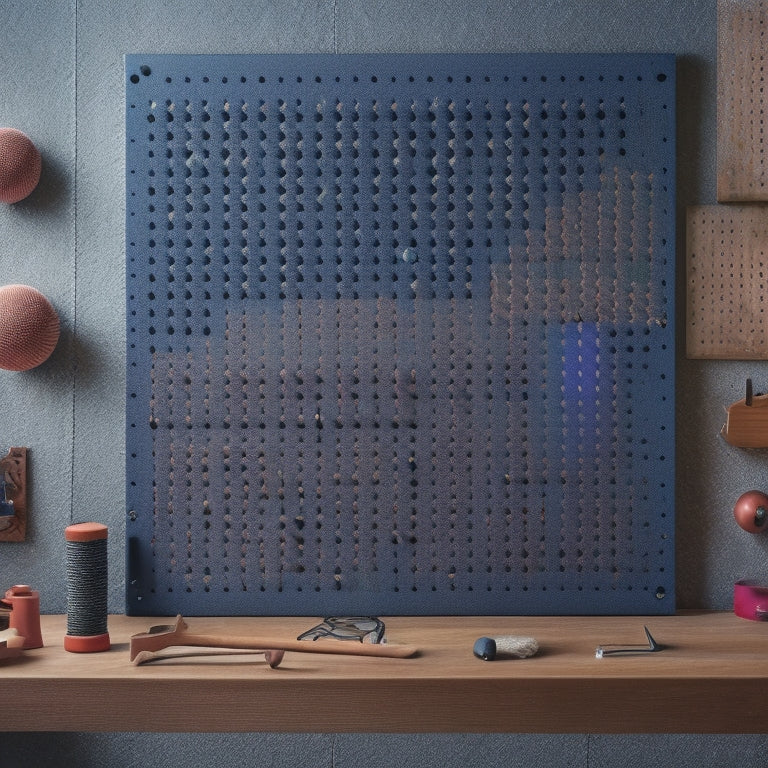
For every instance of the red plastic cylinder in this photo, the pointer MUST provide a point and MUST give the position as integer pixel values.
(25, 614)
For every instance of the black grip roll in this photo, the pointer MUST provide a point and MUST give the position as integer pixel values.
(86, 588)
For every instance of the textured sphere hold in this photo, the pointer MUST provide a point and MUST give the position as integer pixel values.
(20, 165)
(29, 328)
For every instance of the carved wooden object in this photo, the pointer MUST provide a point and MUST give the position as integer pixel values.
(13, 473)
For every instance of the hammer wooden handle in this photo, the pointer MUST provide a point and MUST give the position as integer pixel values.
(345, 647)
(178, 635)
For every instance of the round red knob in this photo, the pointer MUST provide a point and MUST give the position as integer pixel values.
(751, 511)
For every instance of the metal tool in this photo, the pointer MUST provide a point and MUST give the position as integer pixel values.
(614, 650)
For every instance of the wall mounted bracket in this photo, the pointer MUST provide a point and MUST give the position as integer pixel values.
(746, 423)
(13, 495)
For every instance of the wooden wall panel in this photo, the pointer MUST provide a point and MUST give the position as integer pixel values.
(727, 265)
(742, 161)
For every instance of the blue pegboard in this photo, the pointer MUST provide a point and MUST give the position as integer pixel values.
(400, 334)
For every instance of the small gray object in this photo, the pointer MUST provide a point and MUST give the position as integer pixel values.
(510, 646)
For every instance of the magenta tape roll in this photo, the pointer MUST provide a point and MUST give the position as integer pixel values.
(750, 600)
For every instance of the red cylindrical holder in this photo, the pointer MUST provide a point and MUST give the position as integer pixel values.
(25, 614)
(86, 588)
(750, 600)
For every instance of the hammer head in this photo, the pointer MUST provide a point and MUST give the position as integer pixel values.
(158, 637)
(145, 645)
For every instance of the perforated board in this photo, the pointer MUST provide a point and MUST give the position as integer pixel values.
(742, 53)
(400, 334)
(727, 280)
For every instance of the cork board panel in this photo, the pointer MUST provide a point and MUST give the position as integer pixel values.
(742, 47)
(727, 269)
(400, 334)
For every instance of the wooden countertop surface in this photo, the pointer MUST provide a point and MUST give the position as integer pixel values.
(712, 677)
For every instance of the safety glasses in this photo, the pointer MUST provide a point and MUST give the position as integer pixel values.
(361, 628)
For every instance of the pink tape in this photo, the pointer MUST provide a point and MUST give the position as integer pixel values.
(750, 600)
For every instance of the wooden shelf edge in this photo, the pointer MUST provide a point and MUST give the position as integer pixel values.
(714, 671)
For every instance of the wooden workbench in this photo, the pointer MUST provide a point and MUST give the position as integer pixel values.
(712, 678)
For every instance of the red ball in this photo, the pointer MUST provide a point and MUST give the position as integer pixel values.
(29, 328)
(751, 511)
(20, 165)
